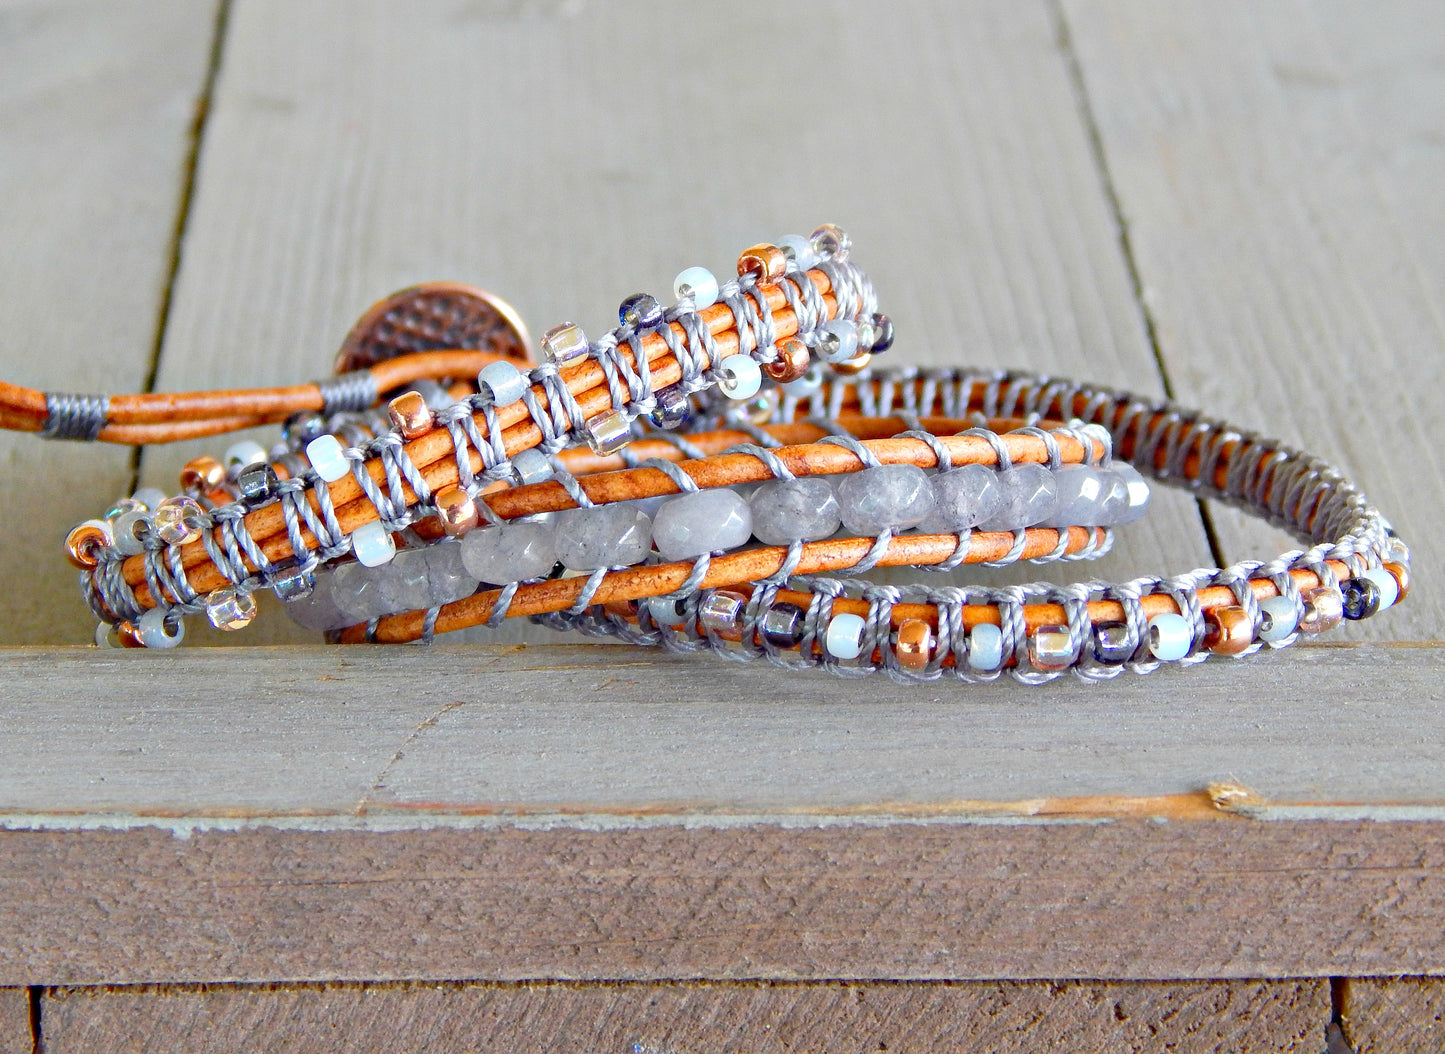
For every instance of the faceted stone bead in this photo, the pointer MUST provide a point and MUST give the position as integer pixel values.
(963, 497)
(1126, 495)
(788, 510)
(888, 497)
(509, 552)
(447, 576)
(404, 582)
(356, 592)
(602, 536)
(318, 611)
(1030, 496)
(1081, 495)
(703, 522)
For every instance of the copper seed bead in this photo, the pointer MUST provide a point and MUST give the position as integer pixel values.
(202, 475)
(1401, 574)
(410, 415)
(1228, 630)
(913, 644)
(857, 364)
(83, 544)
(767, 261)
(1324, 608)
(792, 361)
(457, 511)
(128, 635)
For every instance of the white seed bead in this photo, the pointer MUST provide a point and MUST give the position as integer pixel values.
(697, 282)
(130, 530)
(837, 341)
(150, 497)
(242, 455)
(1170, 637)
(741, 377)
(985, 647)
(503, 380)
(844, 639)
(1389, 588)
(667, 610)
(799, 250)
(1278, 619)
(153, 632)
(531, 466)
(105, 636)
(328, 458)
(372, 545)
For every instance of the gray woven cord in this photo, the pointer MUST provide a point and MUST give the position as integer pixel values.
(69, 416)
(348, 393)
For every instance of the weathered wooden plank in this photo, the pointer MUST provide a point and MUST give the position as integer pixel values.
(1272, 162)
(678, 897)
(696, 1017)
(580, 729)
(15, 1032)
(1395, 1013)
(96, 103)
(353, 151)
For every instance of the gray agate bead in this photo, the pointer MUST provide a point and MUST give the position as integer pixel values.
(1127, 496)
(789, 510)
(508, 552)
(888, 497)
(963, 498)
(447, 576)
(602, 536)
(1081, 497)
(705, 521)
(1030, 496)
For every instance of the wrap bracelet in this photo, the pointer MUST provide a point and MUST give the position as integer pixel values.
(674, 483)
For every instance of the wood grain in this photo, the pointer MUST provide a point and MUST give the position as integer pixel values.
(674, 899)
(1384, 1014)
(700, 1018)
(1271, 162)
(354, 151)
(15, 1032)
(586, 730)
(96, 104)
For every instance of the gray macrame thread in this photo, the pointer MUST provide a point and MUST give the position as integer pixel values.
(70, 416)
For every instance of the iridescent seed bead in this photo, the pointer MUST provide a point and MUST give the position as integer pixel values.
(502, 381)
(739, 377)
(705, 521)
(1029, 497)
(302, 427)
(1051, 648)
(1112, 644)
(1170, 637)
(608, 432)
(180, 520)
(121, 506)
(792, 362)
(509, 552)
(372, 544)
(963, 497)
(130, 531)
(882, 334)
(799, 251)
(844, 637)
(913, 644)
(201, 475)
(830, 240)
(886, 497)
(86, 541)
(672, 409)
(760, 408)
(159, 628)
(457, 511)
(1278, 619)
(1323, 609)
(1386, 583)
(767, 262)
(866, 333)
(564, 343)
(241, 456)
(697, 283)
(328, 458)
(789, 510)
(531, 466)
(985, 647)
(782, 625)
(291, 582)
(229, 610)
(602, 536)
(837, 341)
(257, 484)
(1360, 598)
(720, 612)
(640, 311)
(1228, 630)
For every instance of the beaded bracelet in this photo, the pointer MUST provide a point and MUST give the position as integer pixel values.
(510, 454)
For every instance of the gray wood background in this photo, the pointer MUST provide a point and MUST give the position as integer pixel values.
(1237, 204)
